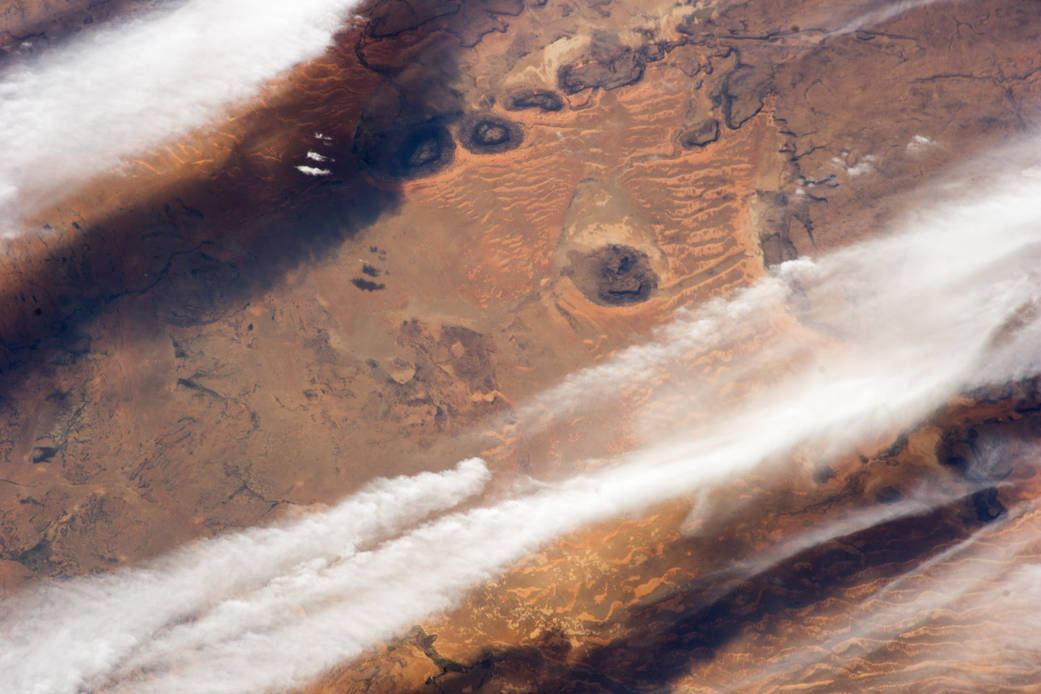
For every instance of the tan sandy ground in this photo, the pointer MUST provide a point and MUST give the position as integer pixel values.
(211, 337)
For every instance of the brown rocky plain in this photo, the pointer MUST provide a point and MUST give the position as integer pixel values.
(212, 339)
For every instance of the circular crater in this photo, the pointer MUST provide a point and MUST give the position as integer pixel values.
(483, 133)
(405, 152)
(614, 275)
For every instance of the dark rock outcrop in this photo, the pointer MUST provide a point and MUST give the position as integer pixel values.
(614, 275)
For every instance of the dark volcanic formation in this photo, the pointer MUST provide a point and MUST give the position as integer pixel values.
(605, 66)
(401, 154)
(542, 99)
(614, 275)
(484, 133)
(700, 135)
(174, 338)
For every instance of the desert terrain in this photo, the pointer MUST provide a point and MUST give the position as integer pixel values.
(229, 331)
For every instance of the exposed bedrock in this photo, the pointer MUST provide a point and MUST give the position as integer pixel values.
(406, 151)
(700, 135)
(742, 93)
(403, 132)
(614, 275)
(607, 65)
(542, 99)
(483, 133)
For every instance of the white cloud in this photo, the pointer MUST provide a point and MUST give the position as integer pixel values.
(81, 108)
(312, 171)
(967, 614)
(873, 13)
(66, 636)
(826, 353)
(919, 143)
(863, 165)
